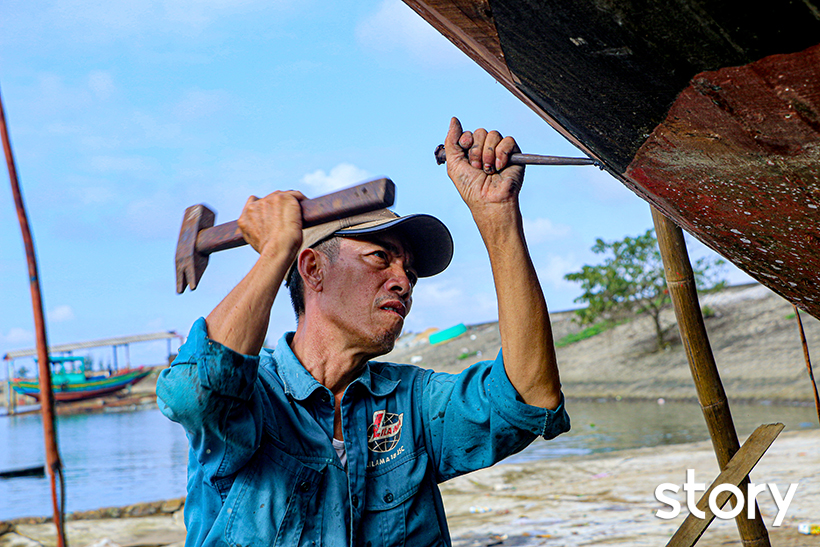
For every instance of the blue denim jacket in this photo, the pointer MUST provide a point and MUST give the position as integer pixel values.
(262, 469)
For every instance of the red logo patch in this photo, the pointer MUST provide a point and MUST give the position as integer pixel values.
(384, 433)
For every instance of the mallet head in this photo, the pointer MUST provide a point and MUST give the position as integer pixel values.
(190, 263)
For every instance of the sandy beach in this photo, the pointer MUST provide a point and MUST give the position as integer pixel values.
(597, 499)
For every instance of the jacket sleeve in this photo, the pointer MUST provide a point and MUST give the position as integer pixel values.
(476, 418)
(210, 390)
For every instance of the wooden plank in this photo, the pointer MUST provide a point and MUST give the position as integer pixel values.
(735, 473)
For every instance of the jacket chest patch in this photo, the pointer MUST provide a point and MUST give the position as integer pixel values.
(384, 433)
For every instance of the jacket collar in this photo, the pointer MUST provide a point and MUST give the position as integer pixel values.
(300, 384)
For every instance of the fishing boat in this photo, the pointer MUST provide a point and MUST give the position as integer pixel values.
(73, 380)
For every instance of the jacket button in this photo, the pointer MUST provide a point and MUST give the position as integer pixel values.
(304, 486)
(388, 497)
(355, 500)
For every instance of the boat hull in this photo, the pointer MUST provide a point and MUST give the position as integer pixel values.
(89, 389)
(707, 109)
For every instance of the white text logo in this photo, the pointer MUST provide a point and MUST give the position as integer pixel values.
(690, 487)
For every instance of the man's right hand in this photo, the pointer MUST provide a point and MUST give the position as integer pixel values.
(273, 225)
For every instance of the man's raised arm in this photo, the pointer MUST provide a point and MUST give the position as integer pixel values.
(477, 164)
(273, 226)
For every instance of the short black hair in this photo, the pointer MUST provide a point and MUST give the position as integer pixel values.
(328, 247)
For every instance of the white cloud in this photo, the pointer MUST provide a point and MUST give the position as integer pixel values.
(158, 131)
(438, 292)
(152, 217)
(341, 176)
(394, 26)
(200, 13)
(98, 20)
(17, 336)
(98, 195)
(136, 165)
(101, 84)
(155, 324)
(52, 97)
(61, 314)
(445, 302)
(543, 229)
(554, 269)
(199, 103)
(95, 143)
(63, 129)
(102, 18)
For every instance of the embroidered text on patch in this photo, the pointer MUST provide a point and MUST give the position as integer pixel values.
(384, 433)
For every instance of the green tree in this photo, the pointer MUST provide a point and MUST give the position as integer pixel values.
(631, 280)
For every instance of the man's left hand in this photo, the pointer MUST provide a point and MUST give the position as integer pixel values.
(477, 162)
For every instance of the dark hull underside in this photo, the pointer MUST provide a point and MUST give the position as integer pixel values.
(709, 110)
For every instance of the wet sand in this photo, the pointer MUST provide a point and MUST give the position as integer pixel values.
(610, 499)
(589, 500)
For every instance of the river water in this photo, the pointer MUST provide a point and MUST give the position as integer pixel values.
(117, 459)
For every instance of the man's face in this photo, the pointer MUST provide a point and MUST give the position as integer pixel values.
(367, 290)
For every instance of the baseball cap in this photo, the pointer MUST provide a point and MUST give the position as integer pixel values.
(426, 236)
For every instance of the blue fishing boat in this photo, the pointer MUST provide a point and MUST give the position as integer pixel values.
(73, 380)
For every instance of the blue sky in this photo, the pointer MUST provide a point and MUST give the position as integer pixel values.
(122, 114)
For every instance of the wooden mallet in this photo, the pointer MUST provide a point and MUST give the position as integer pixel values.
(198, 237)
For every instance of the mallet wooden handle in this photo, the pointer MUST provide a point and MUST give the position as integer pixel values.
(528, 159)
(376, 194)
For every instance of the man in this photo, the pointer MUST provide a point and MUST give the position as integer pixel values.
(318, 445)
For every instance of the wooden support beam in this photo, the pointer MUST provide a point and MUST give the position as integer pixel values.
(736, 472)
(681, 282)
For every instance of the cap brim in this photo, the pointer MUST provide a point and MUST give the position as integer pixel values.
(428, 238)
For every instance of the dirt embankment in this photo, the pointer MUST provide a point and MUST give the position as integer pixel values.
(752, 331)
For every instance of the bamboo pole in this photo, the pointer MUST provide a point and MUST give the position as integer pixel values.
(713, 402)
(46, 394)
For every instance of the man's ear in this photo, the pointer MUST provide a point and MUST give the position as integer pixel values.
(310, 265)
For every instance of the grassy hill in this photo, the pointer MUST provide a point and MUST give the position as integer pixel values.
(753, 333)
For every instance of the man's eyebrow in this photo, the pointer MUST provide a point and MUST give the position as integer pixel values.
(392, 248)
(386, 245)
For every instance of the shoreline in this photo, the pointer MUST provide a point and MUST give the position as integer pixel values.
(576, 500)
